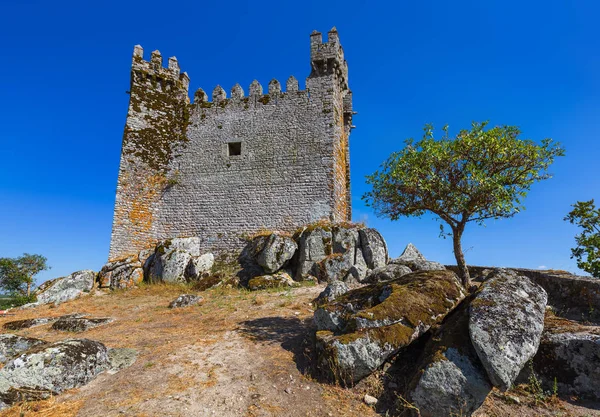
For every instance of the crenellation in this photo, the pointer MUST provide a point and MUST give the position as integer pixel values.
(332, 36)
(185, 82)
(219, 95)
(156, 59)
(237, 92)
(200, 96)
(174, 65)
(274, 87)
(255, 89)
(138, 52)
(291, 85)
(227, 167)
(316, 40)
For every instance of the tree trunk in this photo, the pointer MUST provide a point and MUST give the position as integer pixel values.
(28, 289)
(463, 271)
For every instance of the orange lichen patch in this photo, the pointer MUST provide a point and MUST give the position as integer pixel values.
(341, 177)
(140, 215)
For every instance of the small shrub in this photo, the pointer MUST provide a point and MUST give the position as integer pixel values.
(19, 300)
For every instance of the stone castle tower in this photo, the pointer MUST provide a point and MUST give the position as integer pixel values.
(235, 165)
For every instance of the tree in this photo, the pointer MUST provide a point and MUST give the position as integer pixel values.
(478, 175)
(17, 275)
(587, 216)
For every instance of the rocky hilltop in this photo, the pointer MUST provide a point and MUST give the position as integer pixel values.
(319, 322)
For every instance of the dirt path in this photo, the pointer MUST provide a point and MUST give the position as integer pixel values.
(238, 354)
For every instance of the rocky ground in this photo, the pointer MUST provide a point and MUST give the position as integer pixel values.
(237, 353)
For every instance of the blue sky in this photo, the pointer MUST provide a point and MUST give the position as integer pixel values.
(65, 70)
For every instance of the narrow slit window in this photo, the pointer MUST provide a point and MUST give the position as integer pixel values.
(234, 148)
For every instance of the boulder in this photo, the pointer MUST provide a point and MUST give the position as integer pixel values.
(420, 265)
(412, 258)
(27, 323)
(199, 266)
(314, 245)
(66, 288)
(449, 380)
(278, 280)
(189, 245)
(336, 267)
(410, 253)
(177, 260)
(387, 273)
(331, 292)
(374, 248)
(345, 240)
(12, 345)
(49, 370)
(359, 270)
(569, 354)
(121, 273)
(186, 300)
(360, 329)
(506, 320)
(79, 324)
(274, 251)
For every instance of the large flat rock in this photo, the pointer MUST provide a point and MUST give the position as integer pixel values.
(360, 329)
(49, 370)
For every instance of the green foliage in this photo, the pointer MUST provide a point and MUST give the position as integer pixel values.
(587, 216)
(19, 299)
(17, 275)
(480, 174)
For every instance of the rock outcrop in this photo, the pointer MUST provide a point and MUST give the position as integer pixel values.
(79, 324)
(334, 267)
(374, 248)
(449, 379)
(50, 370)
(506, 321)
(331, 292)
(27, 323)
(359, 330)
(569, 355)
(67, 288)
(12, 345)
(273, 252)
(339, 252)
(412, 258)
(186, 300)
(178, 260)
(121, 273)
(314, 245)
(278, 280)
(387, 273)
(409, 254)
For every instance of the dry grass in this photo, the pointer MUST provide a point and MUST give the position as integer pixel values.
(189, 355)
(46, 408)
(233, 355)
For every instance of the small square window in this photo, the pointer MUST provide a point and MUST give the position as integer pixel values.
(234, 148)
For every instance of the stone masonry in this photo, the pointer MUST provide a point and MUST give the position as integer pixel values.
(223, 168)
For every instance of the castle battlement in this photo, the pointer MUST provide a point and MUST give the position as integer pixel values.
(255, 95)
(230, 163)
(155, 74)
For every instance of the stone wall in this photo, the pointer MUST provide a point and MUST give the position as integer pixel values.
(223, 168)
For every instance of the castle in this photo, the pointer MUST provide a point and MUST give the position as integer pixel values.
(235, 165)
